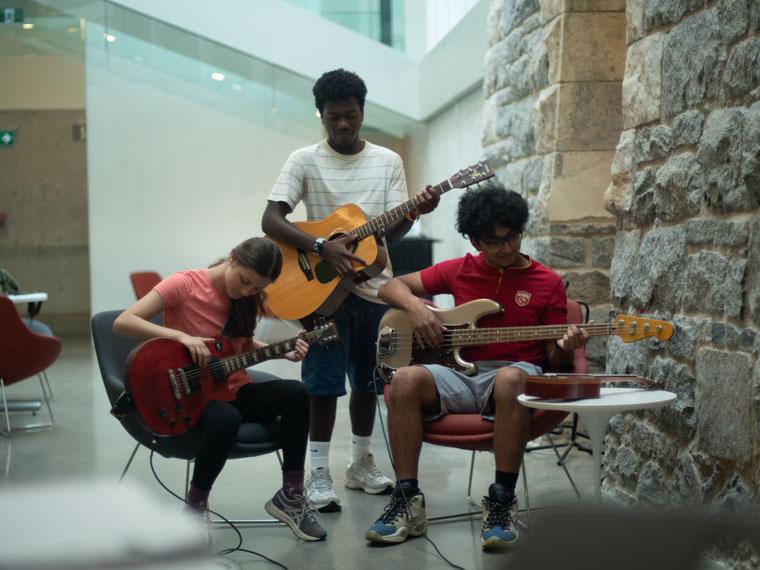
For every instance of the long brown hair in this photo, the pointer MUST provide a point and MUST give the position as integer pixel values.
(265, 258)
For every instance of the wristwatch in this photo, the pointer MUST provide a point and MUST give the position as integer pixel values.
(319, 245)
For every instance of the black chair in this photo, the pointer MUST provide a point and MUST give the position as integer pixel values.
(112, 349)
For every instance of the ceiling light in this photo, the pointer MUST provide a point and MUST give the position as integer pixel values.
(27, 26)
(109, 38)
(216, 76)
(236, 87)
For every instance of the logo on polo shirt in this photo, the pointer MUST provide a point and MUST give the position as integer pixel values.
(522, 298)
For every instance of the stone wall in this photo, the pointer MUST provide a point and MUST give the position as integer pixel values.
(551, 121)
(686, 193)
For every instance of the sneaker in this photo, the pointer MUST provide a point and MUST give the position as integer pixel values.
(402, 518)
(499, 518)
(298, 514)
(365, 475)
(321, 493)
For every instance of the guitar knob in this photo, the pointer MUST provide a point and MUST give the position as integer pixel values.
(186, 419)
(218, 346)
(163, 413)
(177, 407)
(172, 423)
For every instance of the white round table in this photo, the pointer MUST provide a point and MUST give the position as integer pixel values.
(596, 413)
(34, 301)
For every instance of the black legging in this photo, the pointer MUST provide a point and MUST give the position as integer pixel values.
(221, 421)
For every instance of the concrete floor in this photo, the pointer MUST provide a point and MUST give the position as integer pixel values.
(87, 443)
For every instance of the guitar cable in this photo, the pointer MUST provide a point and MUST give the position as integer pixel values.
(226, 551)
(377, 377)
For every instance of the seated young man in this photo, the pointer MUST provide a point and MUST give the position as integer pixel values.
(493, 219)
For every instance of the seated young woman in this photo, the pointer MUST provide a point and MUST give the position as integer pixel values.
(227, 299)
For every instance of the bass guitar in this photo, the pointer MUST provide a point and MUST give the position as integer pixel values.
(308, 284)
(397, 346)
(170, 391)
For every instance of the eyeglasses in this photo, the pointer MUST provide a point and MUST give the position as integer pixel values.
(494, 241)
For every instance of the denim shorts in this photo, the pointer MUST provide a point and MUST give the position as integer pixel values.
(464, 394)
(325, 368)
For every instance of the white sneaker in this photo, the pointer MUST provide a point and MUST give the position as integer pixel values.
(320, 491)
(366, 476)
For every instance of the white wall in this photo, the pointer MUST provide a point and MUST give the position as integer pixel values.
(174, 183)
(447, 143)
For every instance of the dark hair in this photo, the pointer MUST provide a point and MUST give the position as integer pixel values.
(482, 209)
(339, 85)
(265, 258)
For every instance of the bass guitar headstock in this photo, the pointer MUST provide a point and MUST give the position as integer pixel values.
(472, 175)
(631, 328)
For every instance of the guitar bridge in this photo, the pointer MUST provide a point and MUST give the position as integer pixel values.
(305, 265)
(174, 384)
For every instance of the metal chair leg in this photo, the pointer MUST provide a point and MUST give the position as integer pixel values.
(5, 410)
(129, 462)
(561, 463)
(49, 392)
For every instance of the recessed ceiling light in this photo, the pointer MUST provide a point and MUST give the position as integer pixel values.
(27, 26)
(72, 29)
(236, 87)
(216, 76)
(109, 38)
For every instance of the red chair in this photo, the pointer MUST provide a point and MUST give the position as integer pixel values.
(143, 282)
(23, 354)
(473, 433)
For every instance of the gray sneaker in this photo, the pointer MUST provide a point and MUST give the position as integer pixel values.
(298, 514)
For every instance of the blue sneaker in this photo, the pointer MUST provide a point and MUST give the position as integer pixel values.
(499, 518)
(403, 517)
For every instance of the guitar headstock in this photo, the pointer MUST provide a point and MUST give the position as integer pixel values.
(631, 328)
(472, 175)
(325, 332)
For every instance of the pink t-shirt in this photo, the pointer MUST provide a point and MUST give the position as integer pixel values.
(194, 306)
(530, 296)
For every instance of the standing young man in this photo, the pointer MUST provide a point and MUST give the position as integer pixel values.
(493, 219)
(342, 169)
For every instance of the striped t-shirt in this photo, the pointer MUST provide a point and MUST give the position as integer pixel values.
(324, 179)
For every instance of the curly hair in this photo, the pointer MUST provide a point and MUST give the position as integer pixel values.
(482, 209)
(339, 85)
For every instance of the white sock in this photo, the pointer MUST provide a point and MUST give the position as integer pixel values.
(360, 447)
(319, 455)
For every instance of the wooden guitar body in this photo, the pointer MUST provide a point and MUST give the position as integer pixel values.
(395, 348)
(307, 283)
(169, 391)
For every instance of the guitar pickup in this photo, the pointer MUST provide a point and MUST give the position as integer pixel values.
(305, 265)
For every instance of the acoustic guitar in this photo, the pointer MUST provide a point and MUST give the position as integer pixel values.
(308, 284)
(170, 391)
(397, 346)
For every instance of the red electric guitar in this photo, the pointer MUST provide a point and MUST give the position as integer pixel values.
(170, 392)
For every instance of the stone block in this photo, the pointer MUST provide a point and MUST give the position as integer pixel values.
(737, 495)
(754, 16)
(593, 46)
(729, 336)
(601, 252)
(678, 417)
(652, 485)
(634, 15)
(689, 332)
(618, 196)
(723, 395)
(523, 176)
(514, 127)
(546, 119)
(729, 153)
(652, 143)
(714, 284)
(687, 128)
(585, 228)
(642, 82)
(678, 188)
(592, 287)
(734, 18)
(624, 260)
(628, 463)
(662, 12)
(567, 252)
(553, 46)
(702, 231)
(589, 116)
(689, 481)
(642, 201)
(626, 358)
(742, 73)
(578, 185)
(753, 273)
(513, 13)
(691, 63)
(658, 278)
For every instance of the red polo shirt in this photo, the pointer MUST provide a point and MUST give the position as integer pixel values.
(530, 296)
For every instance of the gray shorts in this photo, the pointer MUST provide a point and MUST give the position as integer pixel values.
(464, 394)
